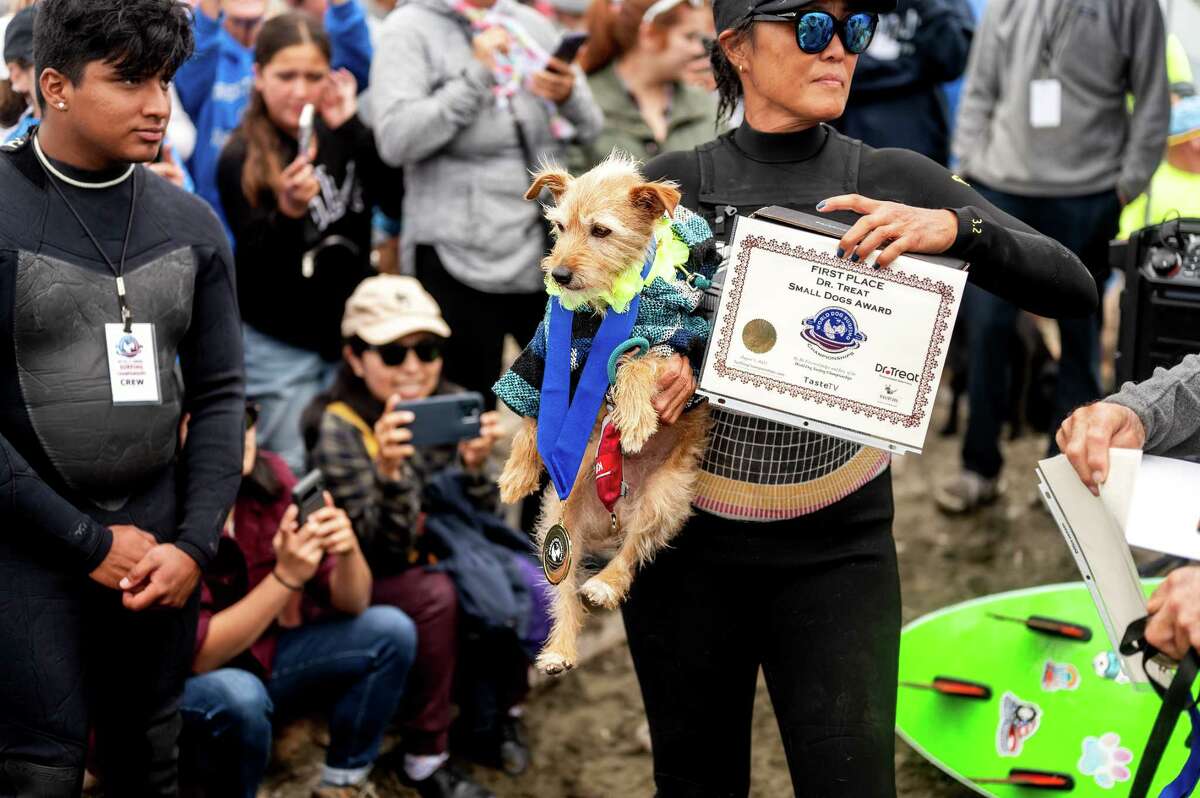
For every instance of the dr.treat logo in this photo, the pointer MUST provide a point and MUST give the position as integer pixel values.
(833, 332)
(128, 346)
(893, 373)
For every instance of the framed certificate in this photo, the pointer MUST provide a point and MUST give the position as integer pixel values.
(807, 339)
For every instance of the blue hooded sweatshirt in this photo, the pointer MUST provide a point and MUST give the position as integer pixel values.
(214, 84)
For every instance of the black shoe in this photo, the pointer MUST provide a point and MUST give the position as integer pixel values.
(446, 782)
(514, 751)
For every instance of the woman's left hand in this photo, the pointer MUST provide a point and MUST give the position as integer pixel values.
(339, 98)
(475, 452)
(892, 227)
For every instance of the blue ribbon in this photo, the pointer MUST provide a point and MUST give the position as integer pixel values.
(565, 422)
(1185, 782)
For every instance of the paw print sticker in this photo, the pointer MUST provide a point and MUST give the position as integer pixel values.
(1105, 760)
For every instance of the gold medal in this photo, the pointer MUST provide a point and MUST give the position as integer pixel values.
(556, 554)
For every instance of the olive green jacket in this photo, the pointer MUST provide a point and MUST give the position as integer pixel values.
(691, 122)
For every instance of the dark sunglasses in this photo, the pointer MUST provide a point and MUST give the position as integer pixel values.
(396, 354)
(815, 29)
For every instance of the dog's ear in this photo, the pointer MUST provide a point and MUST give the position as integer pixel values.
(549, 177)
(655, 198)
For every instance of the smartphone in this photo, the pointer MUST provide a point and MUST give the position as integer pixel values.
(568, 48)
(304, 138)
(309, 495)
(444, 419)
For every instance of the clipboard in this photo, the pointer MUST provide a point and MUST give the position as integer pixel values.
(1097, 542)
(758, 403)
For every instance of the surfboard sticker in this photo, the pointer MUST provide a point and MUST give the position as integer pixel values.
(1105, 760)
(1058, 676)
(1019, 720)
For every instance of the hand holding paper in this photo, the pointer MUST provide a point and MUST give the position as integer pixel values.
(1088, 433)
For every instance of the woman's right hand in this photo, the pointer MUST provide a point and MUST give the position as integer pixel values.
(297, 186)
(298, 550)
(487, 44)
(393, 436)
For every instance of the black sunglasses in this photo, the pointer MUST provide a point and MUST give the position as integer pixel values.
(815, 29)
(396, 354)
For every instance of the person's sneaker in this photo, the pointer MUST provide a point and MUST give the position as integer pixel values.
(966, 492)
(364, 790)
(446, 782)
(514, 751)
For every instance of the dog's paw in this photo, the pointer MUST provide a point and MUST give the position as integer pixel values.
(515, 485)
(637, 429)
(552, 663)
(601, 593)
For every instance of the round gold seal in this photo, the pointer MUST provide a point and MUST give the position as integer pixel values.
(556, 554)
(759, 336)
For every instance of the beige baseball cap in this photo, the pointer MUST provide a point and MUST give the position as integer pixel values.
(390, 306)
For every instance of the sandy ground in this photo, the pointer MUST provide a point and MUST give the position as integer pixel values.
(583, 726)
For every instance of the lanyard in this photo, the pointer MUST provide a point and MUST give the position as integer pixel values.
(1055, 30)
(565, 422)
(118, 270)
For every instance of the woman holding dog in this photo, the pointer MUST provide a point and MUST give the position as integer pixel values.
(789, 565)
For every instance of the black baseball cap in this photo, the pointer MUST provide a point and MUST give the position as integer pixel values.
(18, 37)
(728, 13)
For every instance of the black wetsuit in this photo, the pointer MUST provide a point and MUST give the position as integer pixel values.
(72, 463)
(813, 600)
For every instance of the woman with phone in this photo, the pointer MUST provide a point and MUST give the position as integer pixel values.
(285, 616)
(301, 220)
(647, 64)
(394, 352)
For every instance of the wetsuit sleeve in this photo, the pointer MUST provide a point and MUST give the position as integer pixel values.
(28, 504)
(346, 25)
(1008, 257)
(210, 356)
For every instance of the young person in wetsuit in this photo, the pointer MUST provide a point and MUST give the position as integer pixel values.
(109, 277)
(789, 565)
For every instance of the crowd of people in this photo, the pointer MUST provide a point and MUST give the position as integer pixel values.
(331, 222)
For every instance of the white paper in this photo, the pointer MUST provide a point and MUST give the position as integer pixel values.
(805, 338)
(1117, 490)
(1045, 103)
(132, 364)
(1165, 512)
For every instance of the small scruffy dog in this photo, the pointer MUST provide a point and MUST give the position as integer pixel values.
(604, 220)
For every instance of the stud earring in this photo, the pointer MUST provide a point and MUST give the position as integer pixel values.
(62, 106)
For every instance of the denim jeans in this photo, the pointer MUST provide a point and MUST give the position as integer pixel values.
(1083, 225)
(283, 380)
(358, 666)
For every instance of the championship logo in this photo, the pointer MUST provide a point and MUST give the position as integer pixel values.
(833, 332)
(128, 346)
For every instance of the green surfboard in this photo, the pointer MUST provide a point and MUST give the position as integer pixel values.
(1055, 704)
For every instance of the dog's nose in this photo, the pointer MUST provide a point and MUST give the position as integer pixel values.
(561, 274)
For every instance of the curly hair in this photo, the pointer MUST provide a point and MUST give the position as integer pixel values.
(729, 85)
(140, 39)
